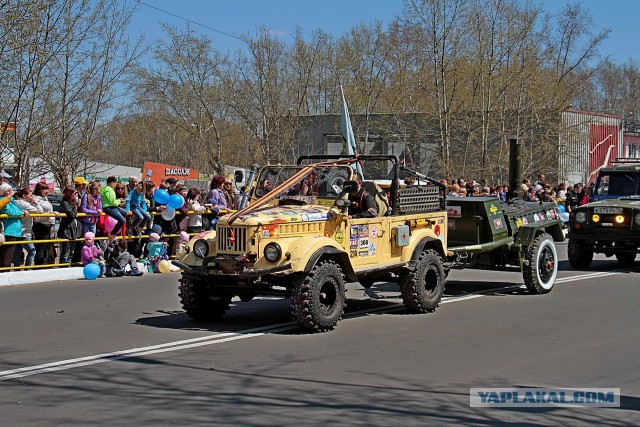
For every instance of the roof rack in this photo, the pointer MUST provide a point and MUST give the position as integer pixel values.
(627, 160)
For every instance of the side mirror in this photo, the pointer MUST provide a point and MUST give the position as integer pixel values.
(238, 176)
(349, 186)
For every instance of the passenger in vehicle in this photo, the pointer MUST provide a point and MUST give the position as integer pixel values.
(363, 204)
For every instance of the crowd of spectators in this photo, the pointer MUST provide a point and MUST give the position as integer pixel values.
(570, 196)
(135, 212)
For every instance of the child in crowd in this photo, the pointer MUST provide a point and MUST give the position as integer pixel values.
(91, 253)
(118, 258)
(157, 251)
(137, 204)
(183, 240)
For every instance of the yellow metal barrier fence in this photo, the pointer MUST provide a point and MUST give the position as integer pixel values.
(81, 215)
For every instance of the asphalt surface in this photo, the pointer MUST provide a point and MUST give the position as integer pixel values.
(121, 351)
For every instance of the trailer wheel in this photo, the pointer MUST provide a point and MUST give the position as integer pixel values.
(199, 302)
(541, 266)
(319, 298)
(580, 253)
(625, 258)
(423, 287)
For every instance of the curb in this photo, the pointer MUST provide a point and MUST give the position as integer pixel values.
(10, 278)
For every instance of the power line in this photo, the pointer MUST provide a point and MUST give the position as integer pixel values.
(191, 21)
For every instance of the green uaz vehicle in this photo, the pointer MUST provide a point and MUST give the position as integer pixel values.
(610, 224)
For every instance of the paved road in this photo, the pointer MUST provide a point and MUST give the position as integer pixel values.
(121, 352)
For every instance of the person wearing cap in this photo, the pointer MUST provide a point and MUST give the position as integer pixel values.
(12, 226)
(80, 185)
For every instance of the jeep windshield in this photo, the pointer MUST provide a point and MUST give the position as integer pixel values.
(322, 181)
(612, 185)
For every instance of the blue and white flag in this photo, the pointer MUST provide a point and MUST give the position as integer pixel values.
(347, 133)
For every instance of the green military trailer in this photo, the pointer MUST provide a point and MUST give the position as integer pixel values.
(486, 233)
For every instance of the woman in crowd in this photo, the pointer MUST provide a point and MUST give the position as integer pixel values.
(70, 227)
(216, 195)
(91, 205)
(229, 193)
(24, 200)
(12, 226)
(42, 225)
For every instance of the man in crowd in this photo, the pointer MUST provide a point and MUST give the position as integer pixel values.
(133, 181)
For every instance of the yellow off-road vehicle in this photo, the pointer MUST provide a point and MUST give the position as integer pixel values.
(296, 240)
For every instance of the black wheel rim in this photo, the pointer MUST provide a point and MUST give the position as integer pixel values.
(328, 296)
(546, 264)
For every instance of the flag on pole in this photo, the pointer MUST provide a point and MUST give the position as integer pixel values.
(347, 133)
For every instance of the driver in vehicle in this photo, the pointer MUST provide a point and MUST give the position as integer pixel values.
(363, 204)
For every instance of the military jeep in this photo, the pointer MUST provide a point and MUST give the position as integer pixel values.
(296, 240)
(609, 225)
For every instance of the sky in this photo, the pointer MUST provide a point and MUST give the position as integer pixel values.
(236, 17)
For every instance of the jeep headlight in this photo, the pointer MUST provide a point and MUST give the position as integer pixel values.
(201, 248)
(636, 219)
(272, 252)
(581, 216)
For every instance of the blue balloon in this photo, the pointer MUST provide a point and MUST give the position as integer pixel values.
(161, 196)
(91, 271)
(561, 208)
(175, 201)
(564, 216)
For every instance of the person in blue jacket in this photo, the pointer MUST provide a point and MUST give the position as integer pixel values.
(12, 226)
(137, 205)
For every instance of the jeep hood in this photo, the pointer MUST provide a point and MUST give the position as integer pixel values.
(281, 214)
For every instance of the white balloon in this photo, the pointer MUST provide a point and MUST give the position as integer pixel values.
(169, 213)
(564, 216)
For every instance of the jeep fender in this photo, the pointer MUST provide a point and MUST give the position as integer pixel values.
(420, 240)
(307, 251)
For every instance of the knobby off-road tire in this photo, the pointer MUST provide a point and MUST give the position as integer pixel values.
(423, 287)
(625, 258)
(580, 253)
(319, 298)
(541, 265)
(199, 302)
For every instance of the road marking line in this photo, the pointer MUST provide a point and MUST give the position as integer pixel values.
(247, 333)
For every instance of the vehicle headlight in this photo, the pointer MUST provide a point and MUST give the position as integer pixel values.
(272, 252)
(201, 248)
(595, 218)
(581, 216)
(619, 219)
(637, 219)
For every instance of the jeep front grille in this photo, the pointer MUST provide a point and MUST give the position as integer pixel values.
(228, 245)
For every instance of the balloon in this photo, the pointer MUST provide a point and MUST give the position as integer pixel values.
(111, 222)
(175, 201)
(564, 216)
(91, 271)
(184, 236)
(561, 208)
(164, 266)
(168, 214)
(161, 196)
(156, 229)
